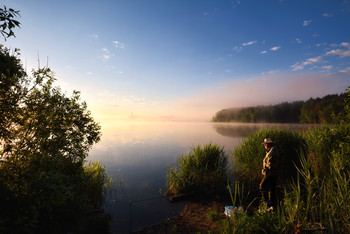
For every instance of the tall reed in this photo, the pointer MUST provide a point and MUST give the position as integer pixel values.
(203, 169)
(247, 157)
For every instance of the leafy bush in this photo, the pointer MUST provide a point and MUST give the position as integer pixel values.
(45, 137)
(201, 170)
(248, 156)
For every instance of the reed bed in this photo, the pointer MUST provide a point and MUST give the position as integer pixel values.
(203, 169)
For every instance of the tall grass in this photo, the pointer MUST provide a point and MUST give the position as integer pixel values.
(248, 156)
(318, 198)
(203, 169)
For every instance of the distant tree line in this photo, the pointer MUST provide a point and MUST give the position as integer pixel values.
(319, 110)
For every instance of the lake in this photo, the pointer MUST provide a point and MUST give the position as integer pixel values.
(136, 156)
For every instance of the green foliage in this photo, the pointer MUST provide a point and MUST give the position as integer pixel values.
(7, 21)
(322, 110)
(281, 113)
(201, 170)
(328, 145)
(319, 110)
(213, 216)
(248, 156)
(44, 139)
(256, 223)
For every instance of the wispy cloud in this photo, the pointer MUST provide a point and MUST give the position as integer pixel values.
(341, 52)
(235, 3)
(94, 36)
(298, 41)
(105, 50)
(275, 48)
(346, 70)
(307, 22)
(249, 43)
(301, 65)
(272, 71)
(118, 44)
(106, 54)
(263, 52)
(327, 67)
(327, 15)
(237, 48)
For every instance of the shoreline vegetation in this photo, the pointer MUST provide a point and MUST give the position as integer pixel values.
(312, 111)
(313, 190)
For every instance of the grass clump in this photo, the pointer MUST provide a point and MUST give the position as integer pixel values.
(248, 156)
(203, 169)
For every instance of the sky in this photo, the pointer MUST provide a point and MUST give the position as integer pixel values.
(184, 60)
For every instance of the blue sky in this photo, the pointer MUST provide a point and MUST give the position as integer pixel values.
(187, 59)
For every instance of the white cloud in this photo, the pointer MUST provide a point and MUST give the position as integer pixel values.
(235, 3)
(94, 36)
(341, 52)
(89, 73)
(237, 49)
(327, 15)
(263, 52)
(328, 67)
(106, 56)
(249, 43)
(346, 70)
(345, 44)
(301, 65)
(297, 66)
(321, 44)
(275, 48)
(105, 50)
(205, 13)
(313, 60)
(118, 44)
(273, 71)
(307, 22)
(298, 41)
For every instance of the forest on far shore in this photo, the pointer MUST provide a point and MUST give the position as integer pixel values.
(315, 110)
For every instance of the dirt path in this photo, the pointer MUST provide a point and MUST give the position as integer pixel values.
(192, 219)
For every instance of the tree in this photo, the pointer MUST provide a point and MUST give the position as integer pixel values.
(45, 137)
(8, 22)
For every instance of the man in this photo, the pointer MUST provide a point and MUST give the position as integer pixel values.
(270, 172)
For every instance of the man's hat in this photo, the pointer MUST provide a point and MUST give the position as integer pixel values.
(268, 141)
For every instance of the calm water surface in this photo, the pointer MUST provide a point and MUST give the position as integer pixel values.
(136, 156)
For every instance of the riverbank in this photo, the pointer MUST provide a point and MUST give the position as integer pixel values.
(194, 217)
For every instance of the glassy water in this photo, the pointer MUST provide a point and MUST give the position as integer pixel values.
(136, 156)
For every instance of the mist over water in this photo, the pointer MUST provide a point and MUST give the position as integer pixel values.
(136, 155)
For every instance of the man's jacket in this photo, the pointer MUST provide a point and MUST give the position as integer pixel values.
(271, 162)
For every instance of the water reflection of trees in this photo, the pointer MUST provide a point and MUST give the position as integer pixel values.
(238, 130)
